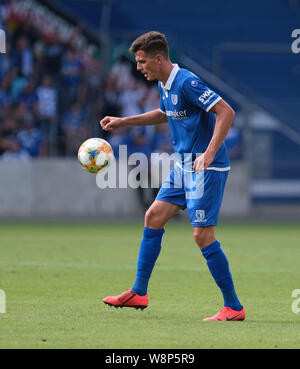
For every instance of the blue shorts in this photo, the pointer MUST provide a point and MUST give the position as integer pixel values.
(201, 194)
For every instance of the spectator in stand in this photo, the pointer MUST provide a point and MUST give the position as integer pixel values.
(29, 96)
(71, 71)
(5, 94)
(118, 137)
(22, 57)
(14, 152)
(5, 60)
(121, 73)
(52, 56)
(17, 84)
(20, 112)
(130, 99)
(30, 138)
(108, 101)
(8, 128)
(47, 110)
(9, 146)
(93, 84)
(74, 128)
(93, 70)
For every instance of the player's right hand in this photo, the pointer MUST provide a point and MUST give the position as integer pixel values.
(110, 123)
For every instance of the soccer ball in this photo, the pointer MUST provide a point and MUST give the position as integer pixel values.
(95, 155)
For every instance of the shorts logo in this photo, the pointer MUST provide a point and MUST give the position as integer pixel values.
(200, 216)
(174, 99)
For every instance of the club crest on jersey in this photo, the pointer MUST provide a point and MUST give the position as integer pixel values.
(174, 99)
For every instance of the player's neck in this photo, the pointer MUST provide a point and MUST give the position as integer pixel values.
(166, 71)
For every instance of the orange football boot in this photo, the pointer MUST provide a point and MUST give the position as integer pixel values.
(226, 315)
(127, 299)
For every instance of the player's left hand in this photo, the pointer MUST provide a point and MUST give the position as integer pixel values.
(203, 161)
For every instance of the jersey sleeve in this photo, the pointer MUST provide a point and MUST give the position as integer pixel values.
(198, 94)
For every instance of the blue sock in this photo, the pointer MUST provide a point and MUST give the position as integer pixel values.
(149, 251)
(218, 265)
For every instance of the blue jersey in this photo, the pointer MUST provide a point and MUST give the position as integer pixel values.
(186, 101)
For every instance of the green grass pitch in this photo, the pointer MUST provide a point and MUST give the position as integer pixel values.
(55, 276)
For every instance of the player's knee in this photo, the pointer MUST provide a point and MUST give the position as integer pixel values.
(203, 236)
(149, 215)
(199, 237)
(152, 219)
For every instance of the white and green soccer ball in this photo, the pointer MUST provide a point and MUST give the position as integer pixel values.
(95, 155)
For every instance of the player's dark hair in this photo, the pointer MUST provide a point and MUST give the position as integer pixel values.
(151, 42)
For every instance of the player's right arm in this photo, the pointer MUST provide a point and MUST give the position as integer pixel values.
(152, 117)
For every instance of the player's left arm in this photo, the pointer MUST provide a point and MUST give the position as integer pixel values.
(224, 117)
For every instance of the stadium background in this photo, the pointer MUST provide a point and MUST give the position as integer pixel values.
(67, 65)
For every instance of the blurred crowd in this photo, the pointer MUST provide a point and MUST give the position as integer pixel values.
(52, 97)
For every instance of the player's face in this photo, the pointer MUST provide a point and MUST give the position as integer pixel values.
(148, 65)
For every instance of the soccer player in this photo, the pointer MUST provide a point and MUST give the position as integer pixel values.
(199, 120)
